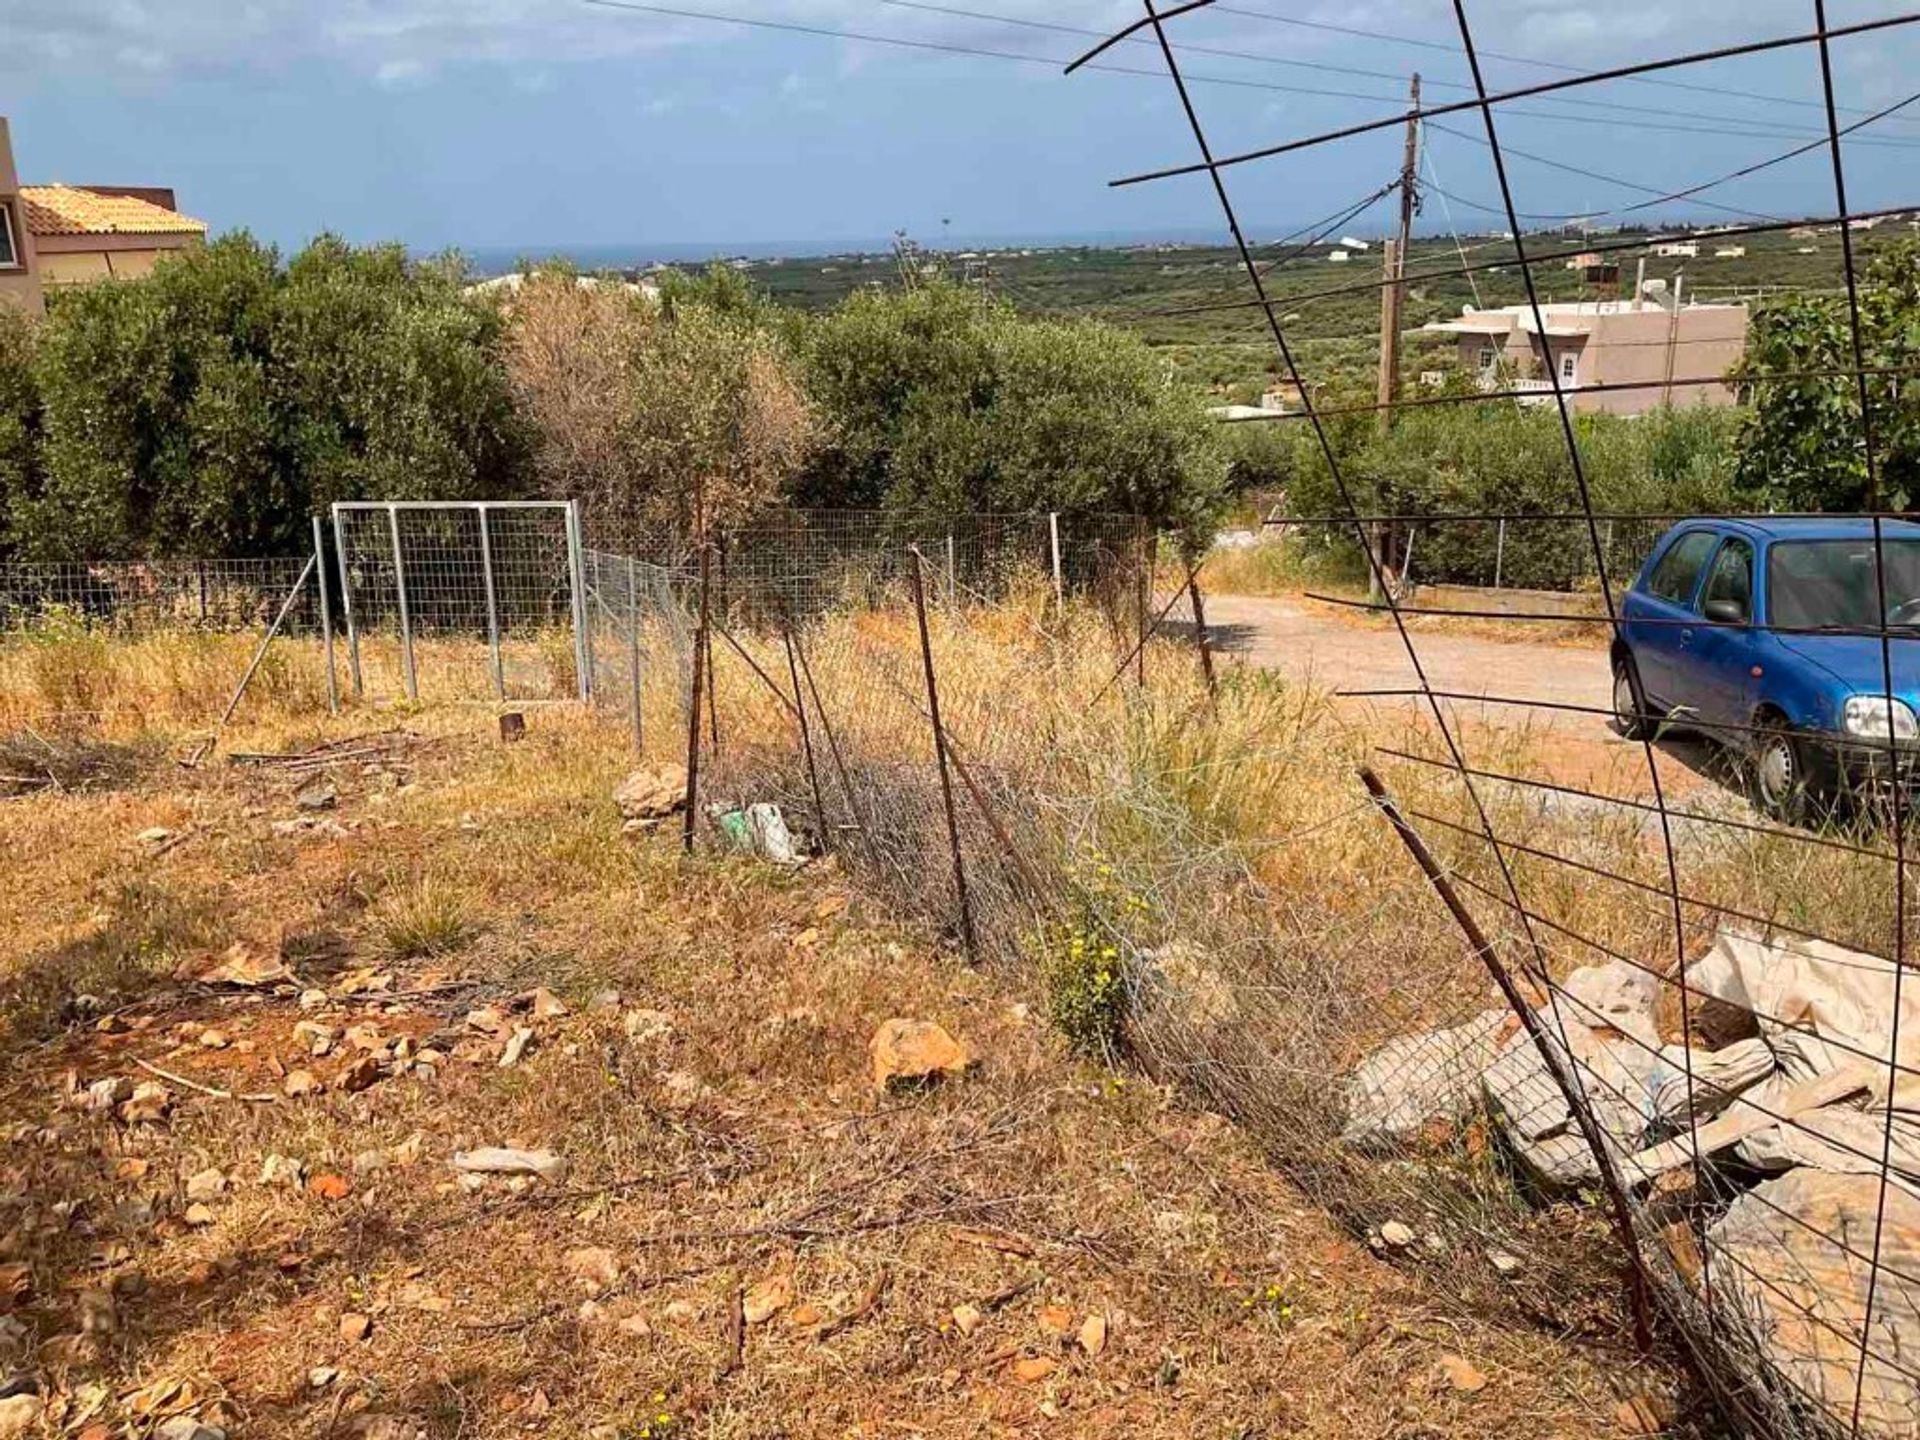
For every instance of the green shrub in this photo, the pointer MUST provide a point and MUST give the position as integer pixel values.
(1081, 970)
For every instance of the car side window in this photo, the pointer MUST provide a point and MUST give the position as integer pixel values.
(1731, 577)
(1677, 575)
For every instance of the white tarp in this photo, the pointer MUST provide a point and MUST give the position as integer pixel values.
(1792, 1259)
(1820, 1007)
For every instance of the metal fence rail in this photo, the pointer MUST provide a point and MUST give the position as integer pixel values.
(418, 579)
(136, 597)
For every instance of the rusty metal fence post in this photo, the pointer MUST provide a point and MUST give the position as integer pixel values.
(701, 640)
(1200, 636)
(1576, 1102)
(967, 937)
(806, 738)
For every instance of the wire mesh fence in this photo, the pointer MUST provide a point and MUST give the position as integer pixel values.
(1187, 862)
(1704, 1044)
(422, 582)
(136, 597)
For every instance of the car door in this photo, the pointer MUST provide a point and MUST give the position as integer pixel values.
(1717, 658)
(1664, 619)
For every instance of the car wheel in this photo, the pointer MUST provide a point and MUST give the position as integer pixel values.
(1629, 703)
(1789, 781)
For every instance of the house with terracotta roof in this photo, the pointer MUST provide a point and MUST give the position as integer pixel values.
(83, 233)
(54, 235)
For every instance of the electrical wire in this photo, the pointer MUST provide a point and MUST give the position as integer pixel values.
(943, 47)
(1450, 49)
(1660, 197)
(1528, 92)
(1319, 66)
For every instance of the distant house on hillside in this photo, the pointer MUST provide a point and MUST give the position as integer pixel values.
(1654, 352)
(1678, 250)
(53, 235)
(1338, 257)
(1730, 252)
(507, 286)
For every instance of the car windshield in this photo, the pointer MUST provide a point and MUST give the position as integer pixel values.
(1830, 584)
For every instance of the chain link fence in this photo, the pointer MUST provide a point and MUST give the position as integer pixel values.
(1190, 869)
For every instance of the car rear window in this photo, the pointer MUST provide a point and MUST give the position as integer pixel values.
(1816, 583)
(1678, 574)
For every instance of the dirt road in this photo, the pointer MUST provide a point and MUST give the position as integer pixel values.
(1320, 644)
(1315, 642)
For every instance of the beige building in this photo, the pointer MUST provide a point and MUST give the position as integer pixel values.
(19, 278)
(1657, 352)
(53, 235)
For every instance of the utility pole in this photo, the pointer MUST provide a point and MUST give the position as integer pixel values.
(1394, 261)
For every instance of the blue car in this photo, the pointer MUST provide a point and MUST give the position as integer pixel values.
(1754, 633)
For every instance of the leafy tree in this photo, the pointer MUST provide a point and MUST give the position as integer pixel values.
(209, 408)
(648, 411)
(19, 413)
(1804, 445)
(940, 402)
(1508, 459)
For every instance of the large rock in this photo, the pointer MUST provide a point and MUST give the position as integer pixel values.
(1788, 1261)
(1616, 1077)
(906, 1053)
(19, 1414)
(1615, 996)
(1415, 1080)
(648, 796)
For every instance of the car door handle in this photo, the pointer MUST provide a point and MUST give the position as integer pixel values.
(1685, 636)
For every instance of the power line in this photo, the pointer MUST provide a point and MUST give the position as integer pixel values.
(1643, 241)
(981, 52)
(1691, 192)
(1320, 66)
(1448, 48)
(1327, 68)
(1660, 198)
(1526, 92)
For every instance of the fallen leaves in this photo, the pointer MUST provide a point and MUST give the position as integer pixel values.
(768, 1298)
(594, 1266)
(1462, 1375)
(329, 1186)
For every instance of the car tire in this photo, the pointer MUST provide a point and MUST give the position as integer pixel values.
(1791, 780)
(1629, 700)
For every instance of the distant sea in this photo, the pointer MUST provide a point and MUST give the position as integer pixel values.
(499, 259)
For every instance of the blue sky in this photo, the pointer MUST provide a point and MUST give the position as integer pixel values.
(536, 124)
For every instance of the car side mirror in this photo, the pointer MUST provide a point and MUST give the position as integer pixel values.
(1726, 612)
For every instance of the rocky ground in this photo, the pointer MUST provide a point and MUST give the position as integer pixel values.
(400, 1092)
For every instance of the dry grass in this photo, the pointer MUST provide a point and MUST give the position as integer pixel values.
(740, 1142)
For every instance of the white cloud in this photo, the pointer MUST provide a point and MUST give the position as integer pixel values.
(398, 74)
(132, 40)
